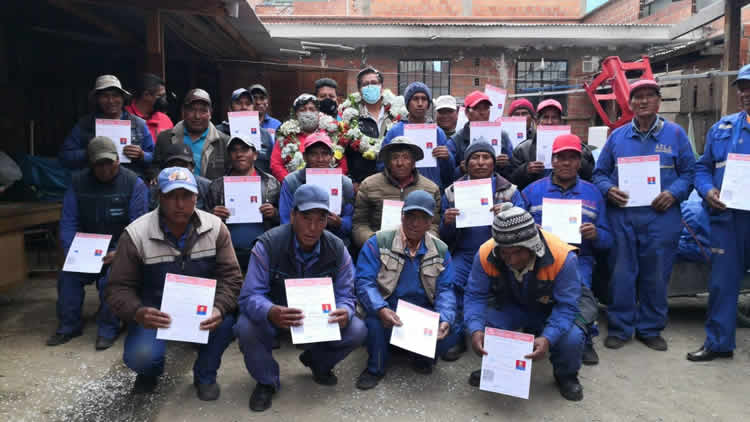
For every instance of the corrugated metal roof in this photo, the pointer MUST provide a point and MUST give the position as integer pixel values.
(433, 22)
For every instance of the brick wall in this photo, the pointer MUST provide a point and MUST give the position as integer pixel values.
(674, 13)
(549, 8)
(615, 11)
(404, 8)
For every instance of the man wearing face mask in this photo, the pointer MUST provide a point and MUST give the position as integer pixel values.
(325, 90)
(150, 104)
(243, 101)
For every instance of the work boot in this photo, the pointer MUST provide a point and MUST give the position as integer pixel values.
(475, 378)
(612, 342)
(104, 343)
(207, 392)
(260, 400)
(455, 352)
(570, 387)
(654, 342)
(58, 339)
(590, 357)
(145, 384)
(322, 378)
(367, 380)
(422, 365)
(705, 355)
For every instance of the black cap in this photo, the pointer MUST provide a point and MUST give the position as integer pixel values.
(178, 151)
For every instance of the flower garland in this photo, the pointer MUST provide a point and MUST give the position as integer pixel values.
(395, 110)
(288, 134)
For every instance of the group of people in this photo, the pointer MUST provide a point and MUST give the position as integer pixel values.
(165, 211)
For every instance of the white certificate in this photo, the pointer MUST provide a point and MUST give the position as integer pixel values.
(504, 368)
(640, 178)
(562, 217)
(188, 301)
(419, 331)
(515, 127)
(116, 130)
(330, 181)
(734, 185)
(245, 125)
(598, 136)
(462, 119)
(490, 132)
(473, 198)
(314, 297)
(497, 96)
(425, 137)
(86, 253)
(391, 217)
(545, 137)
(243, 199)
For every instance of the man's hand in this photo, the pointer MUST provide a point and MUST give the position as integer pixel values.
(340, 315)
(541, 347)
(149, 317)
(389, 318)
(268, 210)
(617, 197)
(441, 153)
(450, 215)
(210, 324)
(334, 221)
(477, 343)
(497, 208)
(108, 258)
(502, 160)
(134, 152)
(283, 317)
(535, 167)
(588, 231)
(463, 167)
(443, 330)
(712, 197)
(221, 212)
(663, 201)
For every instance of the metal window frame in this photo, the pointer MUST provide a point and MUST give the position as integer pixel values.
(544, 82)
(404, 74)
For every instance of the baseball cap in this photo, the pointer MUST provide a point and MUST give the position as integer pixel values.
(644, 83)
(311, 197)
(549, 103)
(566, 142)
(521, 103)
(318, 137)
(258, 87)
(445, 101)
(237, 93)
(243, 141)
(475, 98)
(172, 178)
(101, 148)
(742, 75)
(179, 151)
(419, 200)
(197, 94)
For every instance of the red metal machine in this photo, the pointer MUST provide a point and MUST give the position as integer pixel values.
(613, 74)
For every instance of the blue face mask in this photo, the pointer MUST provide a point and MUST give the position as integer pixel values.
(371, 93)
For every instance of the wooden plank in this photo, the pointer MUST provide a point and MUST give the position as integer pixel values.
(241, 42)
(97, 21)
(13, 257)
(731, 60)
(668, 106)
(154, 43)
(19, 215)
(671, 92)
(705, 95)
(196, 7)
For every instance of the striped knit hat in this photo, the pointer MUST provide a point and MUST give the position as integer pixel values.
(513, 226)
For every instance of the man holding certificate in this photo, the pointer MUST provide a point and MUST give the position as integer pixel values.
(727, 146)
(178, 240)
(646, 237)
(464, 242)
(302, 249)
(563, 203)
(102, 200)
(524, 277)
(409, 265)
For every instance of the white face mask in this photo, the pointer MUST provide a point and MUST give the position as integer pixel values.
(308, 120)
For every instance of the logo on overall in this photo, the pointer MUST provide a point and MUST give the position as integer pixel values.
(97, 252)
(521, 365)
(123, 141)
(253, 131)
(494, 141)
(485, 201)
(334, 192)
(253, 199)
(428, 332)
(661, 148)
(326, 308)
(651, 180)
(428, 145)
(202, 310)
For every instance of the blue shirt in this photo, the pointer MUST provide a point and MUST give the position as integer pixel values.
(731, 134)
(269, 122)
(244, 234)
(197, 148)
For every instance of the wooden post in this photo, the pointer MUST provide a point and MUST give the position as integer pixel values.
(731, 59)
(154, 43)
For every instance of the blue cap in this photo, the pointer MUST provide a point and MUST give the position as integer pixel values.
(237, 93)
(420, 200)
(311, 197)
(743, 74)
(172, 178)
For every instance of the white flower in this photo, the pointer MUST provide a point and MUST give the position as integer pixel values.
(364, 145)
(290, 127)
(356, 96)
(349, 114)
(328, 123)
(353, 133)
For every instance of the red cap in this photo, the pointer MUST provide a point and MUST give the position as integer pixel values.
(475, 98)
(521, 103)
(549, 103)
(566, 142)
(318, 137)
(644, 83)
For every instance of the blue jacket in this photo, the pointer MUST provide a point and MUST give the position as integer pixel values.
(730, 134)
(409, 285)
(269, 122)
(666, 139)
(462, 140)
(594, 209)
(442, 175)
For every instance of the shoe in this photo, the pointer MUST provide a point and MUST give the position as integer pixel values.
(260, 400)
(322, 378)
(58, 339)
(705, 355)
(612, 342)
(570, 387)
(475, 377)
(207, 392)
(104, 343)
(367, 381)
(145, 384)
(455, 352)
(590, 357)
(654, 342)
(422, 366)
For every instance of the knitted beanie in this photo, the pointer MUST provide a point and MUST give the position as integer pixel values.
(514, 226)
(415, 87)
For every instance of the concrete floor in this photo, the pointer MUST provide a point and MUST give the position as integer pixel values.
(74, 382)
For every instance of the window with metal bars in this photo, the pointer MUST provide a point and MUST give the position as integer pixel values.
(542, 74)
(436, 74)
